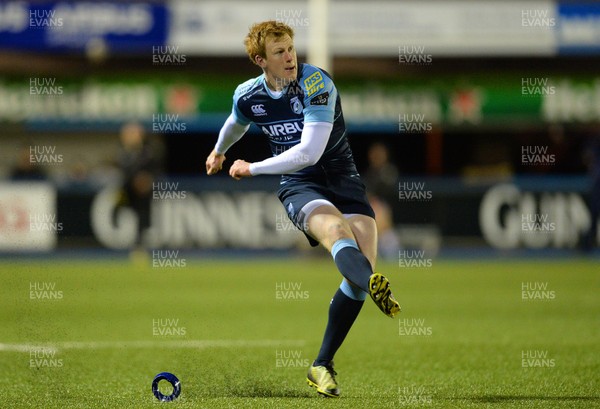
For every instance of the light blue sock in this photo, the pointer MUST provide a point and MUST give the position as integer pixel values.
(351, 291)
(353, 265)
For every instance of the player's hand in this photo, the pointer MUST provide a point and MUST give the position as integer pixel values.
(240, 169)
(214, 162)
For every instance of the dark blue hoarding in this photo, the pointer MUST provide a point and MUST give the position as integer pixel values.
(117, 27)
(578, 30)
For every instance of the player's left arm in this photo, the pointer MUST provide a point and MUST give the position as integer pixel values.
(313, 141)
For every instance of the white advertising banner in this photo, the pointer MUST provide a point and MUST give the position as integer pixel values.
(383, 28)
(219, 27)
(28, 220)
(444, 28)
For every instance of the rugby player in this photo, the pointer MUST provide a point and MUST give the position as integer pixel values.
(298, 108)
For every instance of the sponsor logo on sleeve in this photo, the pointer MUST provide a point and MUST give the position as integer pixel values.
(314, 83)
(320, 99)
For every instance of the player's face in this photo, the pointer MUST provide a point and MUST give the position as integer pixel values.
(281, 65)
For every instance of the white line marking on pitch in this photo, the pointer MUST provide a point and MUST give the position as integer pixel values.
(193, 343)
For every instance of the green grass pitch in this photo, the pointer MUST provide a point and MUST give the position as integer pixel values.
(94, 333)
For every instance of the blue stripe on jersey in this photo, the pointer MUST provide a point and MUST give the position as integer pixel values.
(274, 122)
(287, 143)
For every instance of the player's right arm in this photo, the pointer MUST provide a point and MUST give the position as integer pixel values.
(232, 131)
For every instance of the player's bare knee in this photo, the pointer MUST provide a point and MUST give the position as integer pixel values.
(337, 230)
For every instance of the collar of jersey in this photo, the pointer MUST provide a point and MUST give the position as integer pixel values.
(283, 91)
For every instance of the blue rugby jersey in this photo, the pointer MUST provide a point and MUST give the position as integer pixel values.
(311, 98)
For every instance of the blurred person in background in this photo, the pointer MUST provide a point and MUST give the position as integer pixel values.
(298, 108)
(592, 159)
(140, 163)
(25, 169)
(381, 180)
(565, 149)
(79, 174)
(381, 176)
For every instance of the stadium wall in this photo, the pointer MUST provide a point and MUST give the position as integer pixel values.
(198, 214)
